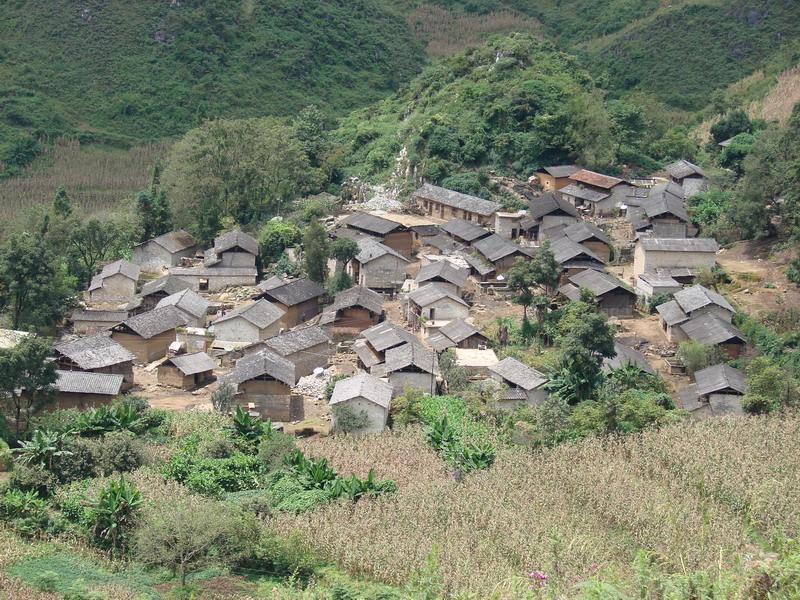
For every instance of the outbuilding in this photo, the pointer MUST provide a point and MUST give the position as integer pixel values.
(115, 283)
(410, 366)
(156, 290)
(546, 211)
(709, 330)
(525, 385)
(372, 346)
(717, 391)
(353, 310)
(187, 371)
(444, 273)
(362, 394)
(587, 235)
(555, 177)
(149, 335)
(378, 267)
(82, 390)
(193, 306)
(598, 194)
(435, 302)
(613, 297)
(464, 232)
(232, 249)
(264, 382)
(500, 252)
(689, 176)
(457, 334)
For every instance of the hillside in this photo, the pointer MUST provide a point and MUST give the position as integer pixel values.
(127, 71)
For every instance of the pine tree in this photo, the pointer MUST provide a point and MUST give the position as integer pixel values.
(315, 252)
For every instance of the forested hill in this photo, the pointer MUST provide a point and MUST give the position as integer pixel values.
(154, 68)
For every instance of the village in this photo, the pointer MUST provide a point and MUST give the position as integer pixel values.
(177, 321)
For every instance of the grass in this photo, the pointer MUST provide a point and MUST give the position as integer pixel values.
(703, 496)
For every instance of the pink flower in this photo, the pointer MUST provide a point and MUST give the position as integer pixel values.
(539, 577)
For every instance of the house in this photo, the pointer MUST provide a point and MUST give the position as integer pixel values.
(252, 322)
(214, 279)
(164, 251)
(298, 298)
(363, 393)
(500, 252)
(82, 390)
(435, 302)
(463, 231)
(96, 354)
(457, 334)
(479, 267)
(689, 176)
(264, 382)
(613, 297)
(87, 321)
(587, 235)
(232, 249)
(652, 254)
(625, 355)
(115, 283)
(378, 267)
(546, 211)
(149, 335)
(525, 384)
(307, 349)
(554, 178)
(156, 290)
(708, 329)
(411, 365)
(353, 310)
(444, 273)
(193, 306)
(372, 346)
(574, 258)
(717, 391)
(476, 362)
(688, 303)
(446, 204)
(507, 224)
(10, 338)
(395, 235)
(655, 284)
(595, 193)
(442, 244)
(665, 214)
(187, 371)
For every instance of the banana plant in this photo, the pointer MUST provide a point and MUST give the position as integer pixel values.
(113, 515)
(249, 429)
(42, 448)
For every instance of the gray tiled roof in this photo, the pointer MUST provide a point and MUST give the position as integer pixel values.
(174, 241)
(365, 386)
(652, 244)
(297, 340)
(560, 170)
(495, 247)
(371, 223)
(564, 249)
(465, 230)
(718, 378)
(440, 342)
(191, 364)
(118, 267)
(260, 313)
(366, 354)
(458, 200)
(427, 294)
(358, 296)
(168, 284)
(387, 335)
(519, 373)
(697, 296)
(106, 316)
(81, 382)
(294, 292)
(710, 330)
(156, 321)
(549, 203)
(671, 313)
(627, 355)
(637, 217)
(233, 239)
(411, 354)
(458, 330)
(442, 269)
(187, 301)
(663, 202)
(598, 282)
(264, 362)
(583, 193)
(479, 264)
(443, 242)
(369, 250)
(95, 352)
(577, 232)
(683, 168)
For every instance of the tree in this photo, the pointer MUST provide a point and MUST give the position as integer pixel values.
(527, 276)
(732, 124)
(222, 398)
(192, 532)
(696, 356)
(275, 237)
(26, 379)
(733, 155)
(628, 123)
(96, 241)
(62, 206)
(770, 387)
(343, 250)
(315, 252)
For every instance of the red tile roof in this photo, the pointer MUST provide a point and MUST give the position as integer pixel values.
(605, 182)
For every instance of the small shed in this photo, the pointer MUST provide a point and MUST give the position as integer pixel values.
(252, 322)
(525, 384)
(411, 365)
(363, 394)
(480, 268)
(298, 298)
(717, 390)
(96, 354)
(187, 371)
(625, 355)
(654, 284)
(444, 273)
(353, 310)
(82, 390)
(574, 258)
(307, 349)
(596, 193)
(442, 203)
(115, 283)
(264, 382)
(476, 362)
(612, 296)
(193, 306)
(149, 335)
(689, 176)
(555, 177)
(88, 321)
(164, 251)
(435, 302)
(441, 244)
(500, 252)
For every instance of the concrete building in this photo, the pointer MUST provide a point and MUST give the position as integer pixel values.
(525, 385)
(299, 298)
(613, 297)
(252, 322)
(457, 334)
(362, 394)
(445, 274)
(435, 303)
(353, 310)
(652, 254)
(595, 193)
(193, 306)
(264, 383)
(307, 349)
(149, 335)
(116, 283)
(96, 354)
(232, 249)
(446, 204)
(410, 366)
(554, 178)
(187, 371)
(717, 391)
(88, 321)
(164, 251)
(82, 390)
(395, 235)
(378, 267)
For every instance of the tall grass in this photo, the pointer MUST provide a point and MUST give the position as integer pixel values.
(699, 496)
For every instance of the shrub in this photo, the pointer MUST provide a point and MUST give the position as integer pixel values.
(348, 420)
(25, 512)
(78, 464)
(793, 271)
(273, 450)
(214, 476)
(222, 398)
(217, 448)
(117, 452)
(696, 356)
(34, 479)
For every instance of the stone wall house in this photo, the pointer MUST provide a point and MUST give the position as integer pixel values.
(446, 204)
(717, 391)
(501, 253)
(554, 178)
(362, 394)
(612, 296)
(214, 279)
(353, 310)
(232, 249)
(307, 349)
(690, 177)
(394, 235)
(525, 385)
(164, 251)
(595, 193)
(546, 211)
(444, 273)
(116, 283)
(252, 322)
(457, 334)
(653, 254)
(435, 302)
(411, 366)
(299, 298)
(187, 371)
(374, 342)
(463, 231)
(88, 321)
(587, 235)
(689, 303)
(148, 336)
(96, 354)
(264, 382)
(193, 306)
(156, 290)
(82, 390)
(378, 267)
(507, 224)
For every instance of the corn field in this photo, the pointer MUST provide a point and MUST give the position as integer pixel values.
(446, 33)
(96, 178)
(693, 497)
